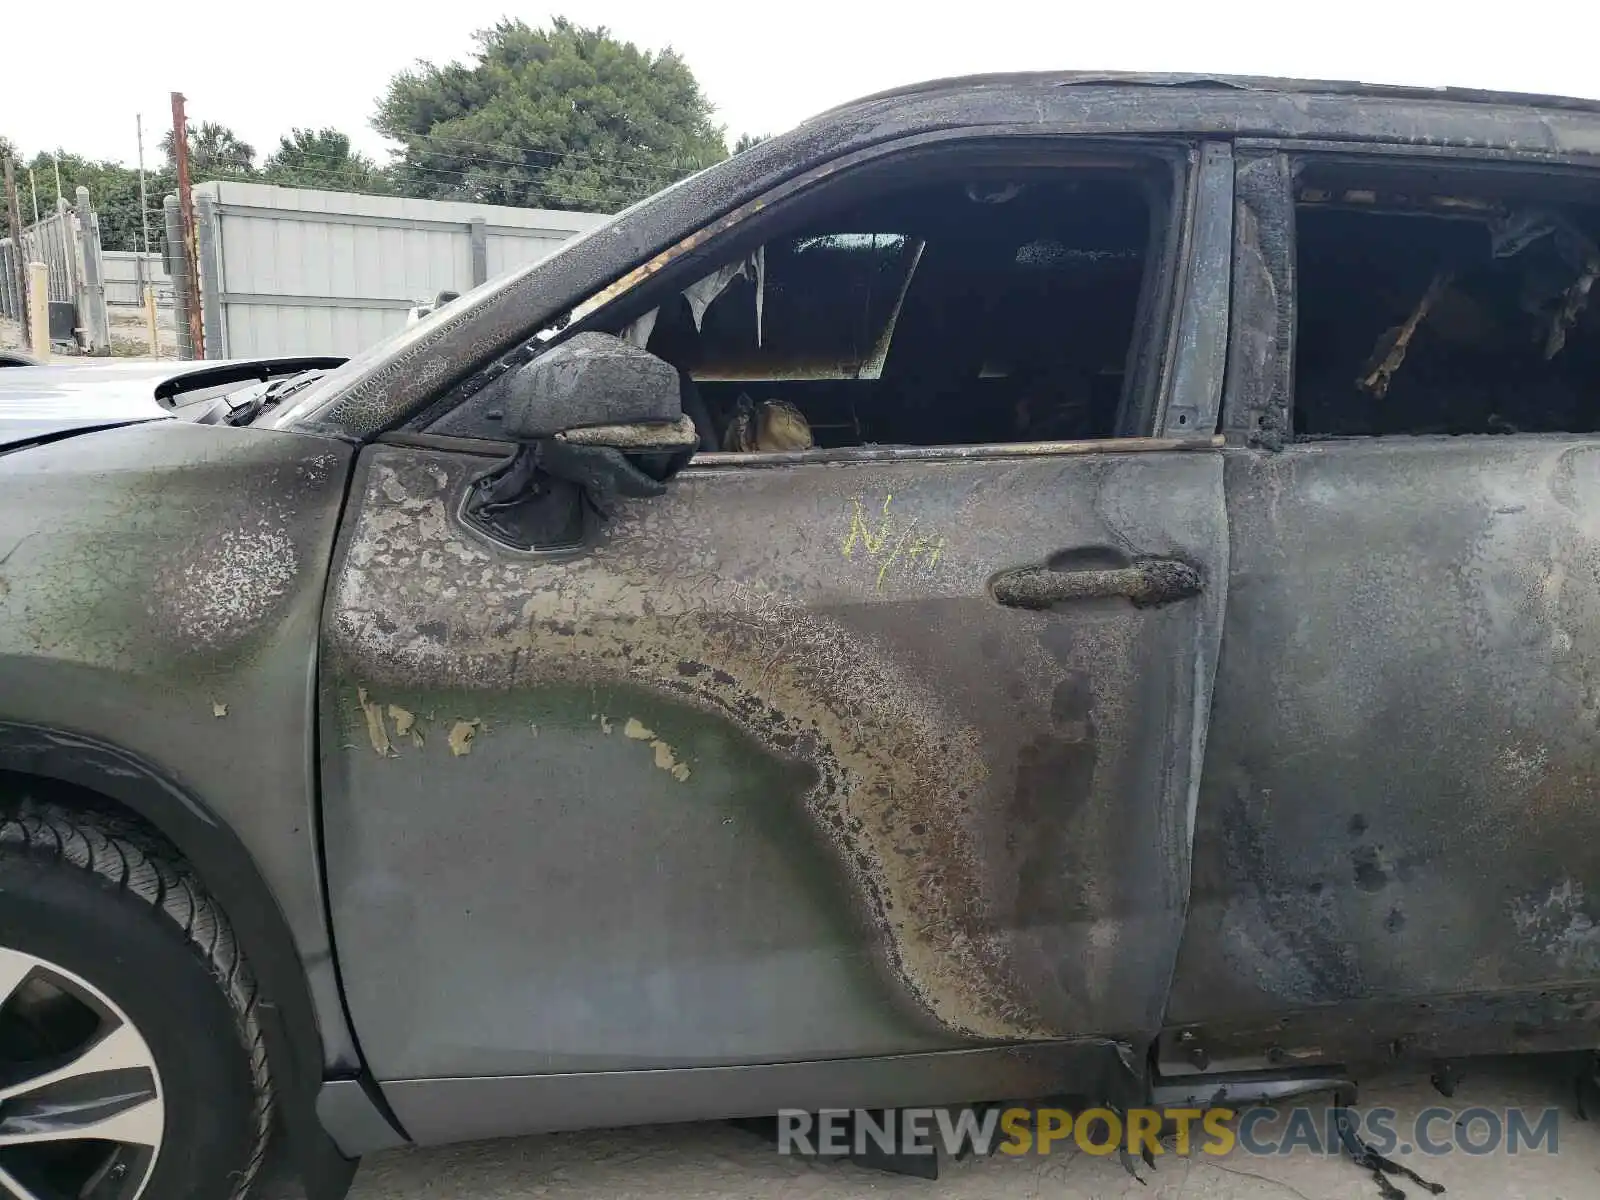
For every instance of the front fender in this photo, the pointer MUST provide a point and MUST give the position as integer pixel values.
(160, 596)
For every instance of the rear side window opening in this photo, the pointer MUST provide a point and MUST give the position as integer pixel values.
(1445, 302)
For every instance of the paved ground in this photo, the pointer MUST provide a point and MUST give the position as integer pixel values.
(713, 1162)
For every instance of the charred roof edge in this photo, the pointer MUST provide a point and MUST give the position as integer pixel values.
(1203, 82)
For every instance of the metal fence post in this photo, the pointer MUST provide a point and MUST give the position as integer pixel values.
(91, 297)
(152, 329)
(177, 264)
(67, 253)
(478, 235)
(208, 233)
(15, 285)
(10, 301)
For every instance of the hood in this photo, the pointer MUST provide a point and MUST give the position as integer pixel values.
(50, 400)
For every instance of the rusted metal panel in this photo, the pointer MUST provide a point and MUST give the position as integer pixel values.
(1387, 1032)
(766, 775)
(1397, 804)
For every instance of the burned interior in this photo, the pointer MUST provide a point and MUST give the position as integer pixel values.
(1445, 302)
(949, 307)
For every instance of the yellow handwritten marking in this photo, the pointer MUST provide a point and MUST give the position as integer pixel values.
(890, 542)
(898, 546)
(932, 547)
(861, 532)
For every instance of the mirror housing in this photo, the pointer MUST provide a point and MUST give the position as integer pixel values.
(590, 380)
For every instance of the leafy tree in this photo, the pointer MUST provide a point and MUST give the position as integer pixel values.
(113, 193)
(564, 117)
(322, 158)
(8, 149)
(746, 140)
(215, 152)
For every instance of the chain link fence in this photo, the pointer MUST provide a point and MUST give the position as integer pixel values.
(68, 243)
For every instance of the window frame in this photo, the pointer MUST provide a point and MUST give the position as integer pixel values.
(1152, 356)
(1258, 406)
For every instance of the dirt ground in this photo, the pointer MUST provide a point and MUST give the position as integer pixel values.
(720, 1162)
(129, 335)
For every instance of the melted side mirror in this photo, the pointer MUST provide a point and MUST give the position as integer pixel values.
(590, 380)
(599, 421)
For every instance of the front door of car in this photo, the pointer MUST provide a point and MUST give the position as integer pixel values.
(817, 756)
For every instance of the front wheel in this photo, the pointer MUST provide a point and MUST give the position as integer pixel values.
(131, 1058)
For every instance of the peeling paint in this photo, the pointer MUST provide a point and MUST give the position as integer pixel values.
(403, 719)
(377, 731)
(1558, 923)
(976, 903)
(217, 590)
(666, 758)
(462, 735)
(762, 662)
(156, 573)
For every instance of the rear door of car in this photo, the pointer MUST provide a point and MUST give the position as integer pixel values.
(819, 757)
(1397, 845)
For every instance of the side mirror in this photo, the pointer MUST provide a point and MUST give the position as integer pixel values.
(588, 382)
(598, 420)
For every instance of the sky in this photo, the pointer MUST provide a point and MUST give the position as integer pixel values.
(262, 68)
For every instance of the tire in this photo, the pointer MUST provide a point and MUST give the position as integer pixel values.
(103, 930)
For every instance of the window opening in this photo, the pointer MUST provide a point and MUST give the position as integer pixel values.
(1426, 306)
(994, 308)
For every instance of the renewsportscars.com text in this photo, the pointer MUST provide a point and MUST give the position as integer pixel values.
(1155, 1131)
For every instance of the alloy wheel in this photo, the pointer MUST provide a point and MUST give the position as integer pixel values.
(81, 1109)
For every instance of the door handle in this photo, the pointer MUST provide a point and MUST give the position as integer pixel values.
(1146, 582)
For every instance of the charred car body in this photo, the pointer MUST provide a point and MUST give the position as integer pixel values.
(1022, 585)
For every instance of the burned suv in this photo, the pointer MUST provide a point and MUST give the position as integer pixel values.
(1020, 582)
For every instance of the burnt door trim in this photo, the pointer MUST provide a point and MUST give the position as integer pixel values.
(1191, 403)
(1259, 384)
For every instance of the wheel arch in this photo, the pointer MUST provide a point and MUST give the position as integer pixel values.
(102, 775)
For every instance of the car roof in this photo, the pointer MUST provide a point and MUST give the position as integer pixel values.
(1223, 82)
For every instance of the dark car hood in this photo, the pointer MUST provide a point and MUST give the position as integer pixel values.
(49, 400)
